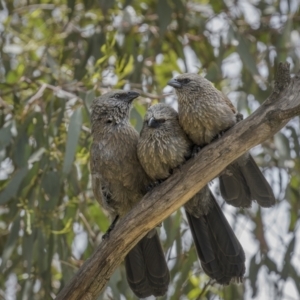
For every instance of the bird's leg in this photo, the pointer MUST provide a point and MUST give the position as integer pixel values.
(110, 228)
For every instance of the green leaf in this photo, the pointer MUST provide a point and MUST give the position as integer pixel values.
(136, 119)
(295, 139)
(21, 148)
(287, 259)
(296, 277)
(243, 50)
(283, 41)
(72, 140)
(213, 72)
(164, 12)
(97, 216)
(283, 146)
(12, 187)
(51, 186)
(5, 136)
(50, 183)
(42, 252)
(253, 271)
(89, 97)
(194, 293)
(10, 243)
(271, 265)
(36, 156)
(27, 288)
(27, 248)
(64, 254)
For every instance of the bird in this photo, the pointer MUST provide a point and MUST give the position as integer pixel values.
(163, 146)
(205, 114)
(119, 182)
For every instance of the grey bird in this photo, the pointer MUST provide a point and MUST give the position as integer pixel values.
(119, 182)
(163, 146)
(204, 114)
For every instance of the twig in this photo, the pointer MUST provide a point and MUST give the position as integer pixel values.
(87, 225)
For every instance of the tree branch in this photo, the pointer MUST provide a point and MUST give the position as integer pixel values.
(158, 204)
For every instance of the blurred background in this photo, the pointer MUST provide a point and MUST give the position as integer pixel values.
(56, 56)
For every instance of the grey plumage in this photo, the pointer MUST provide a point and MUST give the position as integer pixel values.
(119, 182)
(162, 147)
(204, 114)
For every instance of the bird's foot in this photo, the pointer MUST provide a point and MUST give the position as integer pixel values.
(219, 135)
(172, 171)
(106, 235)
(154, 184)
(195, 150)
(239, 117)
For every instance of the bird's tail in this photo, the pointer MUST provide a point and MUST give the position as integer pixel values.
(222, 256)
(243, 182)
(146, 268)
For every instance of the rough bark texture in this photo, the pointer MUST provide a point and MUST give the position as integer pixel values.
(157, 205)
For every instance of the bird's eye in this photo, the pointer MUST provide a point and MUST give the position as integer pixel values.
(109, 121)
(185, 81)
(117, 96)
(161, 120)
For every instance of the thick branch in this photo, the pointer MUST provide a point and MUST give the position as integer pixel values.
(158, 204)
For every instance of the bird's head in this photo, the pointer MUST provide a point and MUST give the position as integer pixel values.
(160, 118)
(112, 108)
(188, 85)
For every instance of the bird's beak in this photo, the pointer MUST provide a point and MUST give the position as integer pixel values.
(131, 95)
(174, 83)
(152, 123)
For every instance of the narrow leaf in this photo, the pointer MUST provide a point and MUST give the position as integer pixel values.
(72, 139)
(245, 54)
(12, 188)
(5, 136)
(10, 243)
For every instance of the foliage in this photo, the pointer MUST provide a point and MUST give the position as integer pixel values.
(56, 56)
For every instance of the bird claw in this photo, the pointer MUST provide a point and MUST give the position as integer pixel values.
(154, 184)
(110, 228)
(105, 235)
(196, 149)
(239, 117)
(219, 135)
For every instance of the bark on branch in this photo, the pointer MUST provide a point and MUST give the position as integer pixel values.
(157, 205)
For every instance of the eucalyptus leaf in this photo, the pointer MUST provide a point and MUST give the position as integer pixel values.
(72, 139)
(12, 187)
(10, 243)
(5, 136)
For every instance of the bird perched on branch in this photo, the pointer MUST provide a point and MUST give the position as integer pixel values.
(119, 182)
(162, 147)
(204, 114)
